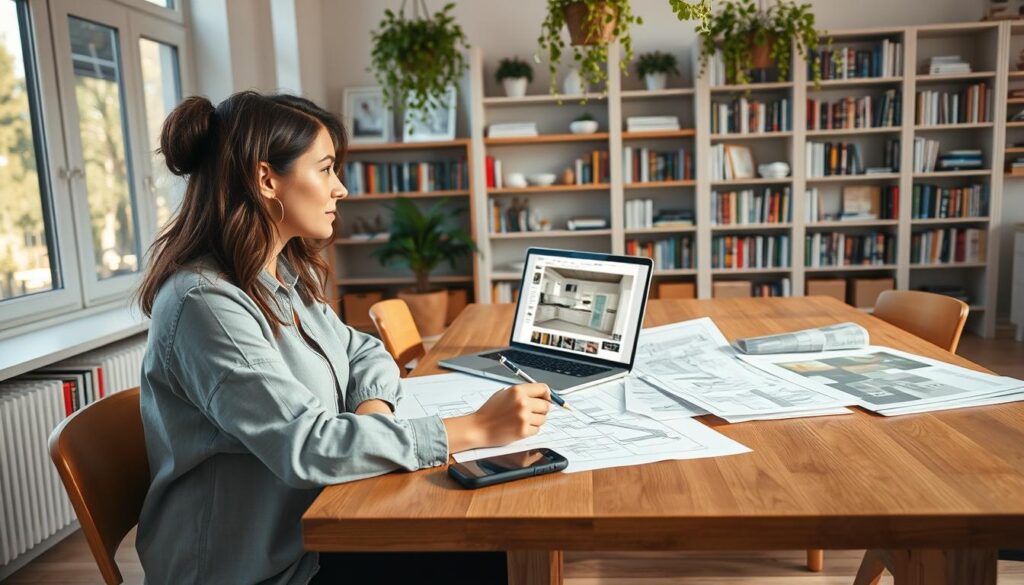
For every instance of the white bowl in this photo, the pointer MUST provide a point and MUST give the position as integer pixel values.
(515, 180)
(583, 127)
(774, 170)
(541, 179)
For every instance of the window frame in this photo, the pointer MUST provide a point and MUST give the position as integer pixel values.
(81, 291)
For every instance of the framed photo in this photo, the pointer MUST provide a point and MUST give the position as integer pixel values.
(438, 124)
(741, 161)
(367, 117)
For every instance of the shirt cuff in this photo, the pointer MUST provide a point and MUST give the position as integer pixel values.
(431, 440)
(357, 397)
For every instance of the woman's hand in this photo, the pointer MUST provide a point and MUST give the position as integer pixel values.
(511, 414)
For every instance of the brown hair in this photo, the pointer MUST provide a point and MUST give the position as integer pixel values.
(223, 213)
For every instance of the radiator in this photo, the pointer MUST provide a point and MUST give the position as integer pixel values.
(33, 503)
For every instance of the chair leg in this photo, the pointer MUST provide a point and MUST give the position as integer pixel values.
(815, 560)
(871, 568)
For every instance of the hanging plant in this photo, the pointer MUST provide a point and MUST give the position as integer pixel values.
(751, 37)
(592, 24)
(417, 59)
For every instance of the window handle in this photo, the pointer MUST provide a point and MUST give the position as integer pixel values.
(66, 175)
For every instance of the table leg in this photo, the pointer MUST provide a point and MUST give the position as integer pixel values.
(930, 567)
(815, 560)
(534, 567)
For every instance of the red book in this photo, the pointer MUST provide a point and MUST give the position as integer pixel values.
(490, 171)
(69, 401)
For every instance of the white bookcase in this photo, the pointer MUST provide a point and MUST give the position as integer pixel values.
(986, 45)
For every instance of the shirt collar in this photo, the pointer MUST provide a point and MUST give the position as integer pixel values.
(287, 276)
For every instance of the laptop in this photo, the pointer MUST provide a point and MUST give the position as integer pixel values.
(576, 323)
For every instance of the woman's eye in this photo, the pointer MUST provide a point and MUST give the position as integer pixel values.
(327, 170)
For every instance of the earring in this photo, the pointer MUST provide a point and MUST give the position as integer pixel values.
(281, 207)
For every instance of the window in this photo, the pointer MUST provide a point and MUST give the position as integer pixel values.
(27, 256)
(84, 88)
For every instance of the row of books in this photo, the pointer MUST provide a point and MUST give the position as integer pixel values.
(644, 165)
(505, 292)
(841, 249)
(364, 177)
(517, 216)
(750, 251)
(779, 288)
(859, 202)
(927, 158)
(667, 253)
(769, 205)
(944, 246)
(948, 64)
(933, 201)
(731, 161)
(593, 169)
(850, 112)
(745, 116)
(969, 105)
(640, 215)
(826, 159)
(885, 59)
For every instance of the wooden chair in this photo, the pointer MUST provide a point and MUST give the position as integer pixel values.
(398, 332)
(100, 454)
(936, 318)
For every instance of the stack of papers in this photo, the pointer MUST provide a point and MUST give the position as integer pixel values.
(948, 64)
(692, 362)
(513, 129)
(891, 382)
(651, 123)
(598, 432)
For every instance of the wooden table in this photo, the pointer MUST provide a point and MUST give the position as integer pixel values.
(941, 492)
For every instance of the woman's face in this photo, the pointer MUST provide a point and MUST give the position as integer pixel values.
(309, 192)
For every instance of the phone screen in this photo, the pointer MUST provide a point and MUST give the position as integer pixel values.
(502, 463)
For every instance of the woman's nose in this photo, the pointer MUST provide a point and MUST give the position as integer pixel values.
(339, 190)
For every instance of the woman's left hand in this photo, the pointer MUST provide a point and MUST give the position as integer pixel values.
(374, 406)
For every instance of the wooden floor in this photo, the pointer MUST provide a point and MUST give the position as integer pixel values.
(70, 563)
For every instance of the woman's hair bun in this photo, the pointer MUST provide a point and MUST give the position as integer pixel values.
(186, 135)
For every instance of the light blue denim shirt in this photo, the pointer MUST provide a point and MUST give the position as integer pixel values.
(244, 427)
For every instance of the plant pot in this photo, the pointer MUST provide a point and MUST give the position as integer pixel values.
(573, 83)
(428, 310)
(761, 55)
(576, 21)
(655, 81)
(515, 87)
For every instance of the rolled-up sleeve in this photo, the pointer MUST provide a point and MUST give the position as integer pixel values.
(238, 379)
(373, 373)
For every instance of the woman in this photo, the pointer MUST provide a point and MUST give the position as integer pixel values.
(254, 394)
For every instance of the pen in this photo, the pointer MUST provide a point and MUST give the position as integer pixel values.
(515, 370)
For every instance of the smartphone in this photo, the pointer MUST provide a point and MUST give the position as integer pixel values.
(492, 470)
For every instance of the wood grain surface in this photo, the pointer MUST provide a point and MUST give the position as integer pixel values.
(946, 480)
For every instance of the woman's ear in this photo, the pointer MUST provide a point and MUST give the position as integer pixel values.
(266, 181)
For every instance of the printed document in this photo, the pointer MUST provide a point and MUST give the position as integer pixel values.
(694, 361)
(889, 381)
(597, 433)
(828, 338)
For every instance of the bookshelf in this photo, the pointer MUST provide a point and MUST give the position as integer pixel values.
(354, 270)
(988, 46)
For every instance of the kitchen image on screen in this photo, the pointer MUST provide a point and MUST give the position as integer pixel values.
(583, 302)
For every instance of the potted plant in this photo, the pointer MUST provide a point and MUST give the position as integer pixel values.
(751, 37)
(592, 25)
(583, 124)
(654, 67)
(420, 241)
(515, 74)
(417, 59)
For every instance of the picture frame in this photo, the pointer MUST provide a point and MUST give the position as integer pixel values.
(367, 116)
(741, 161)
(437, 125)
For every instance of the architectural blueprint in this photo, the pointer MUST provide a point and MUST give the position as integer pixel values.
(598, 431)
(693, 360)
(646, 398)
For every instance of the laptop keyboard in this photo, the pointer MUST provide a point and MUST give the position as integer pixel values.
(550, 364)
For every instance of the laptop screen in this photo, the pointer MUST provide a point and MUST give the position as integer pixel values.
(586, 304)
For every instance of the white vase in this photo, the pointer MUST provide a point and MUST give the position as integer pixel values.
(573, 83)
(655, 81)
(515, 87)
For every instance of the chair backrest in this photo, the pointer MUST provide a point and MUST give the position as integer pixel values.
(936, 318)
(100, 454)
(398, 331)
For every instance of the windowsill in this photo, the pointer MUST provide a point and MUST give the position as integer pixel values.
(28, 351)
